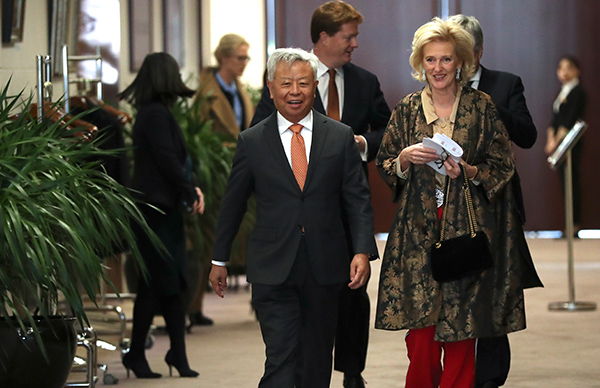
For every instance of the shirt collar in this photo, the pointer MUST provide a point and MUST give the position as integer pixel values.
(428, 109)
(571, 84)
(322, 70)
(230, 88)
(284, 124)
(477, 76)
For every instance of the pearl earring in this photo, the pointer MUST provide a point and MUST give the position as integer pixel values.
(458, 73)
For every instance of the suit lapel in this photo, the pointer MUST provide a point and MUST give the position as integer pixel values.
(318, 105)
(483, 84)
(273, 139)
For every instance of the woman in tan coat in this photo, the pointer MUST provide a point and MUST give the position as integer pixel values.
(231, 110)
(447, 316)
(228, 104)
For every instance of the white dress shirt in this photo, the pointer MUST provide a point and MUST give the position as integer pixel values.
(323, 88)
(323, 78)
(475, 79)
(564, 92)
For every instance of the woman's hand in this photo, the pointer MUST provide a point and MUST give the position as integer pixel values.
(416, 154)
(198, 207)
(551, 142)
(453, 169)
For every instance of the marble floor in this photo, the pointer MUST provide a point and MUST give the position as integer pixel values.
(559, 349)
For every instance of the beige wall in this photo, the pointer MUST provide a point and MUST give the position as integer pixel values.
(245, 17)
(19, 60)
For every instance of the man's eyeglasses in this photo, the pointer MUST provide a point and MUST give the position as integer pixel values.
(243, 58)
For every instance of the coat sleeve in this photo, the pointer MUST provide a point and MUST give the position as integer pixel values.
(516, 117)
(379, 115)
(357, 200)
(495, 161)
(161, 134)
(392, 143)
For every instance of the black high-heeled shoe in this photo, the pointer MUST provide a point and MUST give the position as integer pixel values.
(140, 368)
(184, 370)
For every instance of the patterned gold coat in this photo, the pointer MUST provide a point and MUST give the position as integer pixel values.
(489, 304)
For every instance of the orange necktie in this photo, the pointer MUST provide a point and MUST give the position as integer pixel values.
(299, 162)
(333, 101)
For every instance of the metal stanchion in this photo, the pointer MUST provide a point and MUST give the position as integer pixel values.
(571, 305)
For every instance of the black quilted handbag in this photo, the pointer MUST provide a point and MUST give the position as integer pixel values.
(460, 256)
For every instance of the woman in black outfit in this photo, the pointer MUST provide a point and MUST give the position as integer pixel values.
(161, 178)
(568, 107)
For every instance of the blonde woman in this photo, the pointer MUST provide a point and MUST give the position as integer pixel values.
(446, 318)
(228, 104)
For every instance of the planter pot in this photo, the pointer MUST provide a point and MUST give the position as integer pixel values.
(22, 364)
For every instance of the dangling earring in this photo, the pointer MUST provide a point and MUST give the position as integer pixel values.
(424, 78)
(458, 73)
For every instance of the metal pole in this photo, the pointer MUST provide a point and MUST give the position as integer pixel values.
(40, 87)
(65, 69)
(99, 73)
(571, 305)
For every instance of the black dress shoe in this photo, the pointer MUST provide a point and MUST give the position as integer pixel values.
(355, 381)
(198, 319)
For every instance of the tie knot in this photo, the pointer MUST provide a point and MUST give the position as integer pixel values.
(296, 128)
(331, 73)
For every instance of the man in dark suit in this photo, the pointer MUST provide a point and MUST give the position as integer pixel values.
(358, 102)
(506, 90)
(303, 169)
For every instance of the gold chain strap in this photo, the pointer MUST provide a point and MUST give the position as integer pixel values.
(470, 210)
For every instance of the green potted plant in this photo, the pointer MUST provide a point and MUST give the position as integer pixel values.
(59, 216)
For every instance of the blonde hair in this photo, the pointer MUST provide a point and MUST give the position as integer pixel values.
(438, 30)
(228, 44)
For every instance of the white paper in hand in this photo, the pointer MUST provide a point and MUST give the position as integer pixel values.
(445, 148)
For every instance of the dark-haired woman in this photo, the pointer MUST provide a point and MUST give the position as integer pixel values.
(568, 107)
(161, 178)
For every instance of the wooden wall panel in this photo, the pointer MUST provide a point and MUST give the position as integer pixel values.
(525, 38)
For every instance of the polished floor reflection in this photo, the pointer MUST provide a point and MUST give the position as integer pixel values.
(558, 350)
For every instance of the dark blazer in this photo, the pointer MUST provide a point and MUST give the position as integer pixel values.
(335, 180)
(506, 90)
(365, 108)
(571, 110)
(160, 159)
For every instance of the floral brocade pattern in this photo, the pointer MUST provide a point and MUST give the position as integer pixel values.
(489, 304)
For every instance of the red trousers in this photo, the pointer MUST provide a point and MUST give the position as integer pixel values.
(425, 355)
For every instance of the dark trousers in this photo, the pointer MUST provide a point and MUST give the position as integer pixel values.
(297, 320)
(352, 335)
(493, 360)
